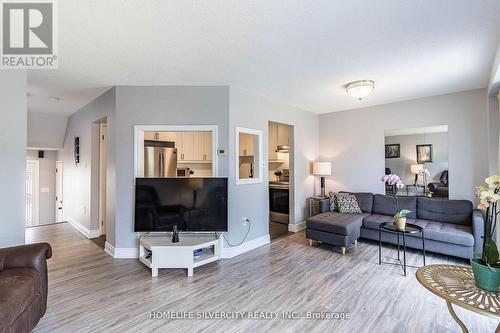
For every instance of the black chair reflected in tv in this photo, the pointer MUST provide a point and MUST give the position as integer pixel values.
(193, 204)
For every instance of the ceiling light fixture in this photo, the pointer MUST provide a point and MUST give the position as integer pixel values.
(360, 89)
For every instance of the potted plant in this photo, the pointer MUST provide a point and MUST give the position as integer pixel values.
(425, 173)
(401, 215)
(487, 268)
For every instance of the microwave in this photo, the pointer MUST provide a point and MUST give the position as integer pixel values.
(184, 172)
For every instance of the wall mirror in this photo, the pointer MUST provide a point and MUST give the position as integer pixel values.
(419, 156)
(248, 156)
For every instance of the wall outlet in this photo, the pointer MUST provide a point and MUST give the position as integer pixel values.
(245, 221)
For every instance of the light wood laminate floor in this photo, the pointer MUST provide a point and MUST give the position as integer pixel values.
(91, 292)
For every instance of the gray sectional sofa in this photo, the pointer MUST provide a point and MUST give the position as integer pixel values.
(451, 227)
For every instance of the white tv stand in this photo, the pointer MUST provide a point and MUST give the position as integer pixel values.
(165, 254)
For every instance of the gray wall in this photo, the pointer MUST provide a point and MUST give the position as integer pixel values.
(401, 166)
(12, 156)
(354, 140)
(167, 105)
(46, 130)
(47, 179)
(494, 134)
(79, 181)
(254, 111)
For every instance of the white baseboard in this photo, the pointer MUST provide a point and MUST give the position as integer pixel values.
(230, 252)
(296, 227)
(121, 252)
(82, 229)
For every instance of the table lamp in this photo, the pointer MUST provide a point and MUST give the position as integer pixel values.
(415, 168)
(322, 169)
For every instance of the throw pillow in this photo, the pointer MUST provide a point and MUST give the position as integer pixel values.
(333, 201)
(347, 203)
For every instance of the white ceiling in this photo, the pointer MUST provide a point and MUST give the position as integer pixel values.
(298, 52)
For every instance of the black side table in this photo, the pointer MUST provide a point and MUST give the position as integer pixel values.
(409, 229)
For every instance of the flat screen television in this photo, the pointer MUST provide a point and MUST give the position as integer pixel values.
(193, 204)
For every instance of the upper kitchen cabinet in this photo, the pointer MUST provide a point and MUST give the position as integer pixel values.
(282, 135)
(185, 146)
(160, 136)
(194, 147)
(152, 136)
(278, 136)
(246, 144)
(202, 146)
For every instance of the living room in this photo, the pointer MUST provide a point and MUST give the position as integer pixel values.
(212, 81)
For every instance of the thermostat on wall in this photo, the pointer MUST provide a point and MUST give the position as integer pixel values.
(221, 152)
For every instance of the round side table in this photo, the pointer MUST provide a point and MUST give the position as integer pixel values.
(456, 285)
(410, 229)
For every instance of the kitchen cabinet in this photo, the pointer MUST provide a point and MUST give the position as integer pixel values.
(199, 147)
(282, 134)
(272, 143)
(278, 135)
(246, 144)
(207, 145)
(194, 147)
(151, 136)
(160, 136)
(167, 136)
(185, 146)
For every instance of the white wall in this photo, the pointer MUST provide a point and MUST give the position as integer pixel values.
(354, 140)
(12, 156)
(401, 166)
(47, 180)
(253, 111)
(81, 181)
(46, 130)
(165, 105)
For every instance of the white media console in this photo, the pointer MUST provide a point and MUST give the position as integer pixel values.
(157, 251)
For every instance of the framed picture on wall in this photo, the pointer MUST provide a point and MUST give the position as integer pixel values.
(424, 154)
(393, 151)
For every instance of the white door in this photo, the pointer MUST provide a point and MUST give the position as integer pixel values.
(59, 191)
(31, 192)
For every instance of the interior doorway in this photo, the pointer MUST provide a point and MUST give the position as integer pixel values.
(59, 192)
(31, 193)
(280, 174)
(103, 142)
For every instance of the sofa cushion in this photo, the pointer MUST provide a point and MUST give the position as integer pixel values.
(373, 221)
(386, 205)
(446, 211)
(333, 201)
(364, 199)
(337, 223)
(19, 287)
(347, 203)
(447, 232)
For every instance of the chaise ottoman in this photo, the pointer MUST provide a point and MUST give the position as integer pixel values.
(335, 228)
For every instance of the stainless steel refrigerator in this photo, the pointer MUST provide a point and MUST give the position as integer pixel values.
(160, 159)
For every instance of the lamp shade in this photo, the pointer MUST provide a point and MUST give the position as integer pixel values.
(415, 168)
(322, 168)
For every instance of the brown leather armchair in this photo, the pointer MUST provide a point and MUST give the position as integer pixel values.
(23, 286)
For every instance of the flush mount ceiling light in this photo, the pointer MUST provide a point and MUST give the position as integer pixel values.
(360, 89)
